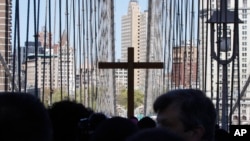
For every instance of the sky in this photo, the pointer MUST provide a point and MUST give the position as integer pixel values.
(121, 7)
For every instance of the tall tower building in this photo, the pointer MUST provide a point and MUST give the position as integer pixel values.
(134, 31)
(5, 41)
(213, 75)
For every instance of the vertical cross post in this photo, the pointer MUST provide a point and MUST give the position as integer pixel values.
(130, 66)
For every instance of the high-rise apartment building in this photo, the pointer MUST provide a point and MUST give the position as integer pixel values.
(5, 41)
(45, 77)
(213, 75)
(134, 34)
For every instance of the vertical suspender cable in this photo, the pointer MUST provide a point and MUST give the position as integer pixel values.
(50, 55)
(90, 66)
(60, 46)
(198, 50)
(36, 27)
(185, 42)
(83, 50)
(113, 52)
(170, 60)
(18, 48)
(80, 48)
(96, 48)
(44, 47)
(26, 46)
(74, 47)
(236, 36)
(191, 43)
(174, 45)
(178, 43)
(148, 52)
(14, 50)
(164, 14)
(68, 51)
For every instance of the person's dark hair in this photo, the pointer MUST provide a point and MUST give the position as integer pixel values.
(23, 118)
(114, 129)
(65, 116)
(155, 134)
(146, 122)
(96, 119)
(196, 109)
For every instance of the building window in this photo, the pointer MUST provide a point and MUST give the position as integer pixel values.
(244, 65)
(244, 27)
(244, 59)
(244, 3)
(244, 16)
(244, 54)
(244, 118)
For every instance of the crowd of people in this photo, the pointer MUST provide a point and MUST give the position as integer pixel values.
(182, 115)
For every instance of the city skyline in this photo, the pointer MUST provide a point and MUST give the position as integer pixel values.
(120, 7)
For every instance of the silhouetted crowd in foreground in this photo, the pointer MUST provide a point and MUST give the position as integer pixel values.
(182, 115)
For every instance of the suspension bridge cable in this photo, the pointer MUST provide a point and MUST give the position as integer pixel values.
(36, 28)
(164, 14)
(55, 24)
(83, 51)
(178, 43)
(96, 50)
(113, 52)
(80, 47)
(170, 44)
(18, 49)
(87, 49)
(50, 57)
(60, 47)
(198, 50)
(44, 53)
(74, 66)
(90, 67)
(175, 46)
(236, 39)
(148, 53)
(14, 51)
(205, 51)
(185, 39)
(26, 46)
(218, 66)
(68, 52)
(191, 43)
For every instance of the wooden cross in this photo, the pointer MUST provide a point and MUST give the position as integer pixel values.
(130, 66)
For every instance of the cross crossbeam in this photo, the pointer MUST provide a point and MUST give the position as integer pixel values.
(130, 66)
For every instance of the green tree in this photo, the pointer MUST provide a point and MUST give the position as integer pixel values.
(57, 95)
(122, 98)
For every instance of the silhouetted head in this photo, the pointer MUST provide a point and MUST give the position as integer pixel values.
(155, 134)
(114, 129)
(23, 118)
(187, 112)
(146, 122)
(65, 117)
